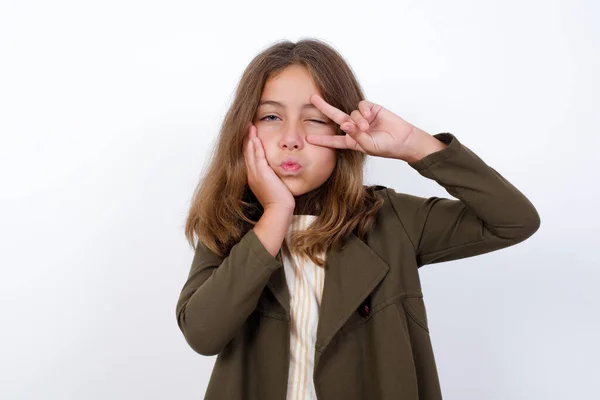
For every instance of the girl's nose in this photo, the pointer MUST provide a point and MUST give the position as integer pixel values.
(292, 139)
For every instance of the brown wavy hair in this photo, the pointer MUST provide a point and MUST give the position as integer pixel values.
(223, 208)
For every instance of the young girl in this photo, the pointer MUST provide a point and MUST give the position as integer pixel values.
(304, 281)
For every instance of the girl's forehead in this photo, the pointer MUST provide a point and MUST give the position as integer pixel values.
(293, 83)
(297, 103)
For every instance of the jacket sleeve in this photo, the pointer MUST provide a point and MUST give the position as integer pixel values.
(220, 294)
(490, 212)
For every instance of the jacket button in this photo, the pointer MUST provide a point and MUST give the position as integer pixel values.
(364, 310)
(365, 307)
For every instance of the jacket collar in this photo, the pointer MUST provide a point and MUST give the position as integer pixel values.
(351, 274)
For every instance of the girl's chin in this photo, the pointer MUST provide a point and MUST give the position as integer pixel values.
(295, 188)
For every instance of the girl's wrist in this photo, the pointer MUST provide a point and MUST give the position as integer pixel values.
(421, 144)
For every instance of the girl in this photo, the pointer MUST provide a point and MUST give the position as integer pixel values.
(304, 281)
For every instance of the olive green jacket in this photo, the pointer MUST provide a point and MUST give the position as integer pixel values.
(238, 307)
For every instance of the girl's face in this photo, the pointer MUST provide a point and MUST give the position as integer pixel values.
(283, 119)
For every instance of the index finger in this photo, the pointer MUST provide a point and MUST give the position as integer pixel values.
(337, 115)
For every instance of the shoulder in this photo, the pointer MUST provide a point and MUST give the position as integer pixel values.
(395, 198)
(404, 206)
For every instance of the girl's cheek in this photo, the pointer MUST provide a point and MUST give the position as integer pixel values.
(267, 146)
(267, 129)
(260, 132)
(263, 136)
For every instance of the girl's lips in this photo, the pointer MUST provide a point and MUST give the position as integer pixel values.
(290, 167)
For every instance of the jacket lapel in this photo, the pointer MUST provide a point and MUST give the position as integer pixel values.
(351, 274)
(278, 285)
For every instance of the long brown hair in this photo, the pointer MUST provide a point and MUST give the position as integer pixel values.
(223, 208)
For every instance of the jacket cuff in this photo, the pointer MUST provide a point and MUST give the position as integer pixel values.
(260, 252)
(453, 147)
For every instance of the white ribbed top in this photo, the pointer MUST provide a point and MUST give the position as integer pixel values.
(305, 283)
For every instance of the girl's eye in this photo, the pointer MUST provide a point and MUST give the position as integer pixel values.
(274, 116)
(263, 118)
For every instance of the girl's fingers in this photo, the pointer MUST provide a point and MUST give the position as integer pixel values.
(259, 152)
(348, 127)
(259, 156)
(251, 160)
(249, 152)
(359, 120)
(337, 115)
(365, 109)
(358, 138)
(335, 141)
(361, 117)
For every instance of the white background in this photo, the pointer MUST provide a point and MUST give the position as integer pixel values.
(107, 114)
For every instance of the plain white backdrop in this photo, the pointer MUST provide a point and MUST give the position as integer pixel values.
(108, 111)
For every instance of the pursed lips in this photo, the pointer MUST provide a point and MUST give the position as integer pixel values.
(290, 164)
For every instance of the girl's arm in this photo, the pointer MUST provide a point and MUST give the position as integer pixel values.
(490, 214)
(220, 294)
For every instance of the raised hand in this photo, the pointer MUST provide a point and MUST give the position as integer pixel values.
(268, 188)
(371, 129)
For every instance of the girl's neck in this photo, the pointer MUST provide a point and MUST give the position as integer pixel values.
(302, 204)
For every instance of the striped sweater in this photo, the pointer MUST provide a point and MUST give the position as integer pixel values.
(305, 283)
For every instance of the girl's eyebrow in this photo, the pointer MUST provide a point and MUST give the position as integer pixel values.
(278, 104)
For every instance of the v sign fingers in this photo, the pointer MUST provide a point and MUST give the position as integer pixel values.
(337, 115)
(368, 109)
(371, 129)
(357, 138)
(335, 141)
